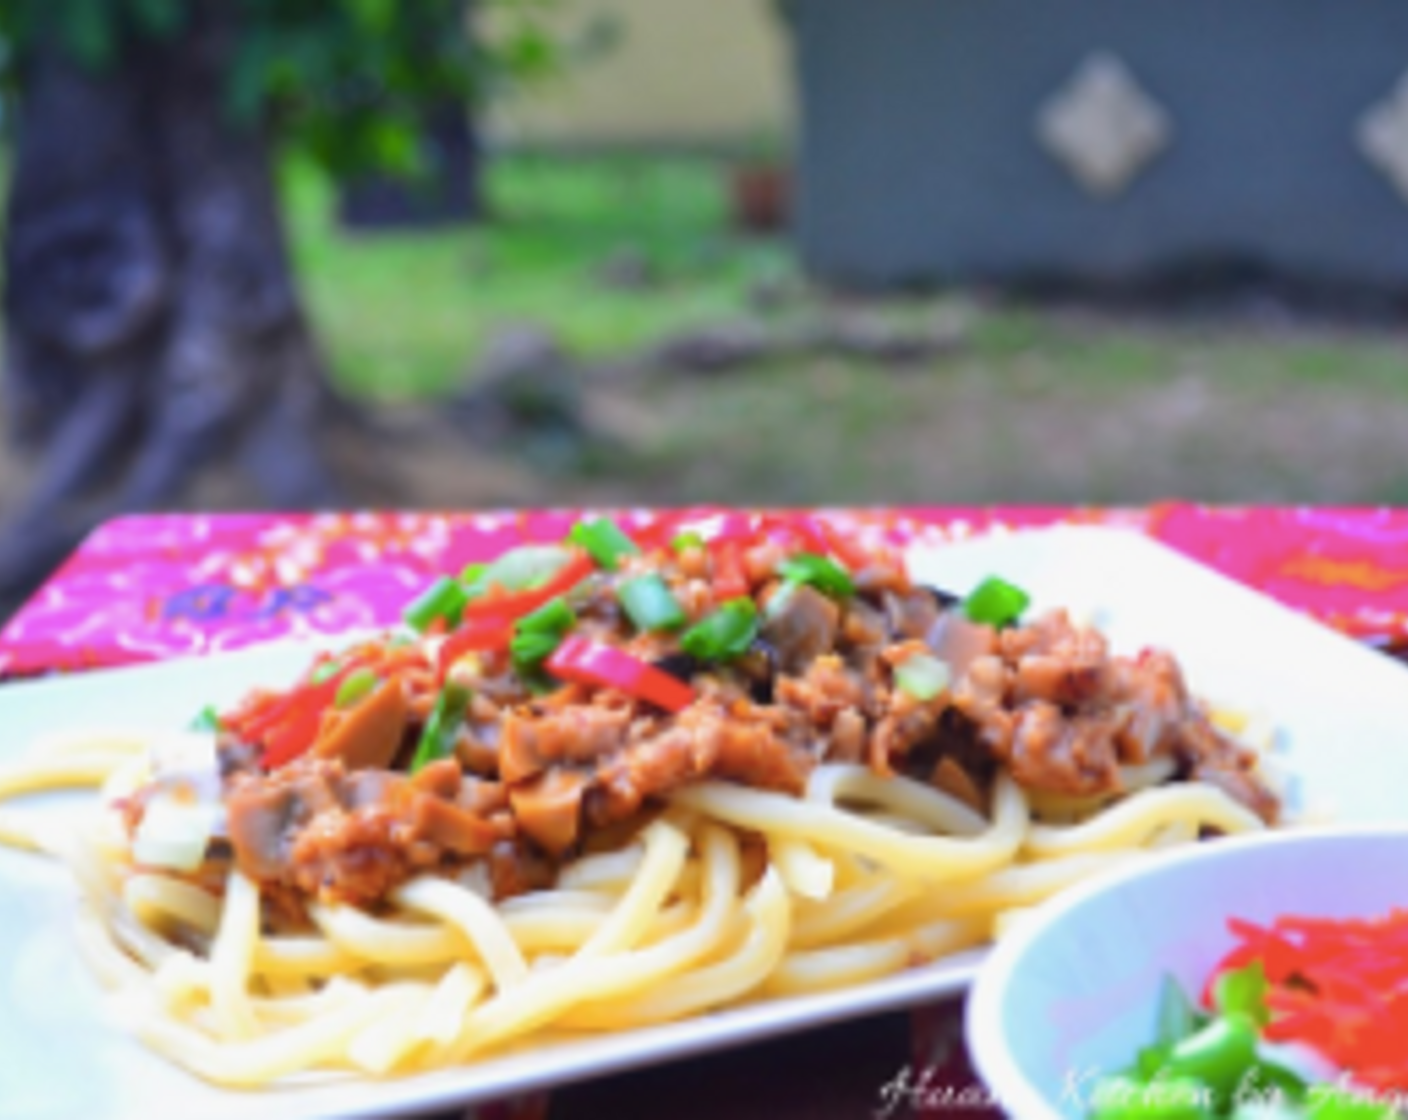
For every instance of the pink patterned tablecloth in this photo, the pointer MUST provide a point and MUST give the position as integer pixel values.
(144, 588)
(151, 587)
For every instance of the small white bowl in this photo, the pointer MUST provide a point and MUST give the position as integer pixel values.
(1073, 993)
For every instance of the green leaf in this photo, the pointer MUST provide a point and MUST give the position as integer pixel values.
(156, 18)
(377, 17)
(90, 32)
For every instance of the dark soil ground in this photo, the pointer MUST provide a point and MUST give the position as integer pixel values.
(1038, 406)
(1062, 407)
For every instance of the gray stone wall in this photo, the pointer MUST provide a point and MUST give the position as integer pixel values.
(921, 157)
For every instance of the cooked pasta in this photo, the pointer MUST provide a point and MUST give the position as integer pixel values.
(641, 782)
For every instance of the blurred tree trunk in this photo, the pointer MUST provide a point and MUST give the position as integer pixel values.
(153, 319)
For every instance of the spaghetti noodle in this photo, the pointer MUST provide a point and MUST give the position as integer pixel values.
(618, 783)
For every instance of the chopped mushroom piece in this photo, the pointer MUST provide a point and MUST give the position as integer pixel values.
(539, 767)
(368, 735)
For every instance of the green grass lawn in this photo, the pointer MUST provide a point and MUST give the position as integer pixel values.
(1033, 403)
(404, 315)
(1036, 404)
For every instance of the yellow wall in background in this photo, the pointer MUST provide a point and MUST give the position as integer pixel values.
(681, 72)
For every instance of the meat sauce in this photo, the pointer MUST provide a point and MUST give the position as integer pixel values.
(534, 770)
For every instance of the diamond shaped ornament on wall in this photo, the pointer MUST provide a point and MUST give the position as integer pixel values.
(1102, 127)
(1383, 137)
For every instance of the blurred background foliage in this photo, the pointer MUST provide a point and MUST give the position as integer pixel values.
(341, 84)
(625, 254)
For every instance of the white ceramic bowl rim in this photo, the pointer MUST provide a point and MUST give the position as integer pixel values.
(1012, 1088)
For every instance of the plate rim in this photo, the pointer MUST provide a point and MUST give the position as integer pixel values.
(715, 1031)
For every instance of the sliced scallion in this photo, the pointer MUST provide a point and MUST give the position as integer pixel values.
(324, 671)
(207, 719)
(725, 634)
(777, 602)
(922, 676)
(538, 634)
(355, 687)
(530, 650)
(821, 572)
(518, 569)
(437, 741)
(553, 617)
(996, 602)
(687, 540)
(604, 542)
(650, 604)
(443, 599)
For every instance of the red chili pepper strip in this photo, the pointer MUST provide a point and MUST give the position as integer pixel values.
(289, 728)
(583, 661)
(492, 633)
(278, 713)
(654, 534)
(730, 528)
(292, 738)
(803, 528)
(846, 550)
(394, 660)
(730, 578)
(273, 708)
(508, 606)
(298, 725)
(253, 707)
(1340, 987)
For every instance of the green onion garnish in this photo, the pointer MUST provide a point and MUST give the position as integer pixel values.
(687, 540)
(538, 634)
(1202, 1067)
(821, 572)
(1242, 991)
(778, 600)
(324, 671)
(207, 719)
(529, 651)
(443, 599)
(996, 602)
(553, 617)
(723, 635)
(650, 604)
(518, 569)
(1178, 1015)
(1217, 1055)
(922, 676)
(604, 541)
(437, 741)
(355, 687)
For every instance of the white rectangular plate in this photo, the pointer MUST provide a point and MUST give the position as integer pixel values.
(1341, 712)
